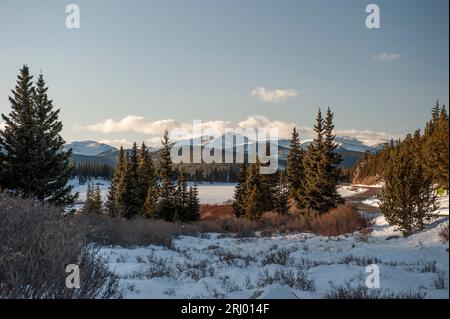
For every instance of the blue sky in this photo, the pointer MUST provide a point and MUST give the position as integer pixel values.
(147, 61)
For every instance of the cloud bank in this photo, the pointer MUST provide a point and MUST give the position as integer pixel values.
(154, 129)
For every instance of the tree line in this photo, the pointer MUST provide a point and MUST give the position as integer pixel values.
(309, 181)
(432, 144)
(85, 171)
(137, 188)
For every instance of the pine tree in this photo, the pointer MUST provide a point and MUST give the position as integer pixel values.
(332, 161)
(34, 163)
(116, 187)
(239, 192)
(194, 204)
(181, 202)
(253, 202)
(295, 169)
(166, 207)
(408, 198)
(147, 184)
(315, 170)
(130, 203)
(93, 202)
(282, 195)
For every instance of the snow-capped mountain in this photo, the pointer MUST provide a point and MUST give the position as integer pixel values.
(89, 148)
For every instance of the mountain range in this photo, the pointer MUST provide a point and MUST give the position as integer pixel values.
(351, 149)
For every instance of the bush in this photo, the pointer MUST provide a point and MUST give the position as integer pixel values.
(36, 245)
(443, 233)
(362, 292)
(341, 220)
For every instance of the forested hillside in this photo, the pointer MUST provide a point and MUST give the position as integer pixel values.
(431, 145)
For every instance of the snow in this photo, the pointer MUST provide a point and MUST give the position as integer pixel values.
(209, 193)
(81, 189)
(89, 148)
(222, 266)
(350, 190)
(443, 202)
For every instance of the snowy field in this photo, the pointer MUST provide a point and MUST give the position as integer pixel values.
(443, 204)
(285, 266)
(209, 193)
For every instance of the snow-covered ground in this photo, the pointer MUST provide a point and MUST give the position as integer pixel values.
(209, 193)
(351, 190)
(284, 266)
(443, 204)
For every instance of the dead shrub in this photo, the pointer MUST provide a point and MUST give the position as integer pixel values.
(341, 220)
(36, 245)
(362, 292)
(443, 233)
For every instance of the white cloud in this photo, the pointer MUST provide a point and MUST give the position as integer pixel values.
(155, 129)
(260, 121)
(134, 123)
(273, 96)
(386, 57)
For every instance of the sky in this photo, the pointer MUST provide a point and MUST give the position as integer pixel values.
(135, 68)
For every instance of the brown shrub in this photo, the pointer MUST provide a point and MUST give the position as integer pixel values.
(216, 210)
(341, 220)
(36, 245)
(443, 233)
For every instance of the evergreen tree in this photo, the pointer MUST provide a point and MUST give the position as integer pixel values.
(194, 204)
(130, 203)
(239, 192)
(408, 198)
(181, 198)
(295, 169)
(282, 195)
(268, 186)
(166, 207)
(34, 163)
(116, 187)
(93, 202)
(332, 161)
(315, 170)
(253, 202)
(147, 184)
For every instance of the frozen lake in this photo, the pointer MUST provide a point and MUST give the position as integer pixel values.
(209, 193)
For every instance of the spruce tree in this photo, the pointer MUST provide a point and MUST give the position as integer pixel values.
(408, 198)
(194, 204)
(315, 170)
(130, 203)
(116, 187)
(181, 202)
(295, 168)
(166, 207)
(147, 183)
(332, 161)
(253, 202)
(34, 163)
(282, 195)
(239, 192)
(93, 202)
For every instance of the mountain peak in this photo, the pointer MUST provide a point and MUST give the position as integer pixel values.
(88, 147)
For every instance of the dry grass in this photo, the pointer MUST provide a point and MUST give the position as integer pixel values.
(443, 233)
(36, 245)
(136, 232)
(341, 220)
(216, 210)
